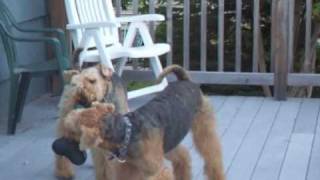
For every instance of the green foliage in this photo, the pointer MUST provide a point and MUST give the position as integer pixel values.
(138, 85)
(316, 10)
(212, 30)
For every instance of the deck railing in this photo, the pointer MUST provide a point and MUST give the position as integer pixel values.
(281, 73)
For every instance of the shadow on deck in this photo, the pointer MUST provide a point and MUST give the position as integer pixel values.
(262, 139)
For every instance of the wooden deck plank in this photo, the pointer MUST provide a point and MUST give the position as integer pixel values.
(252, 146)
(269, 164)
(19, 142)
(196, 161)
(227, 113)
(217, 102)
(232, 140)
(307, 118)
(30, 159)
(83, 172)
(299, 151)
(314, 164)
(296, 162)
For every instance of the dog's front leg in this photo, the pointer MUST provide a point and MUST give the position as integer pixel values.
(103, 168)
(63, 167)
(152, 161)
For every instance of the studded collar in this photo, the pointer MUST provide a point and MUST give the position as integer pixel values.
(121, 153)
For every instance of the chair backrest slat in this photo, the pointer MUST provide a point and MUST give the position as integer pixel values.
(84, 11)
(8, 20)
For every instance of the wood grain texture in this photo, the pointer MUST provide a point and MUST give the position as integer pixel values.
(280, 45)
(238, 35)
(270, 161)
(186, 34)
(251, 148)
(260, 140)
(169, 30)
(296, 163)
(221, 35)
(256, 34)
(203, 35)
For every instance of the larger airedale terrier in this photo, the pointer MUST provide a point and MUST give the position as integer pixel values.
(143, 138)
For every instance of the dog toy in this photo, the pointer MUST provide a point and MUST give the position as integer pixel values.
(69, 149)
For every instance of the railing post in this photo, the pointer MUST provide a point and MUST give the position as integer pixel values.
(186, 34)
(169, 30)
(280, 27)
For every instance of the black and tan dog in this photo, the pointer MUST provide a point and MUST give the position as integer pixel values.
(145, 137)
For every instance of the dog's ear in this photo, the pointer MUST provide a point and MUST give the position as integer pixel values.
(105, 71)
(68, 74)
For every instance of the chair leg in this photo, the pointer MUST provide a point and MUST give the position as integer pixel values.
(14, 82)
(22, 94)
(60, 84)
(120, 66)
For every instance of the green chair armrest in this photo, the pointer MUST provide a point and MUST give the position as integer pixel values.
(54, 42)
(39, 30)
(59, 32)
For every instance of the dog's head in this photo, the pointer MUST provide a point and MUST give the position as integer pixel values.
(92, 83)
(86, 126)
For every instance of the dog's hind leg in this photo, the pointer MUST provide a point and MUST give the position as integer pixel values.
(206, 141)
(152, 157)
(180, 159)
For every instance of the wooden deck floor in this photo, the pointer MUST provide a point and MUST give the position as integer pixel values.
(262, 139)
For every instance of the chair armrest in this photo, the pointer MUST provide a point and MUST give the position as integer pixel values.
(39, 30)
(54, 42)
(91, 25)
(140, 18)
(59, 33)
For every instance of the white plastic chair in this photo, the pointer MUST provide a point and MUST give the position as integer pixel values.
(95, 28)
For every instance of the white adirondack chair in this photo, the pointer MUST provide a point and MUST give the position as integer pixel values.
(95, 28)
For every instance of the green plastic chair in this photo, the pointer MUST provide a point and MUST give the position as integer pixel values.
(20, 75)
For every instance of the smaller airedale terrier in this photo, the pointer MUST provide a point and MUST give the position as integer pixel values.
(145, 137)
(82, 88)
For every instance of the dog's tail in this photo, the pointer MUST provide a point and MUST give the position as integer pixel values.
(76, 57)
(179, 72)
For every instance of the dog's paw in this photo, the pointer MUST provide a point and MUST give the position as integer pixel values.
(64, 173)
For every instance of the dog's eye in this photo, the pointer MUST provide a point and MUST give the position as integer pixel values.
(92, 81)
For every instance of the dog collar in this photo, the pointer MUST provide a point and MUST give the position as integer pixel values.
(121, 153)
(80, 106)
(110, 97)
